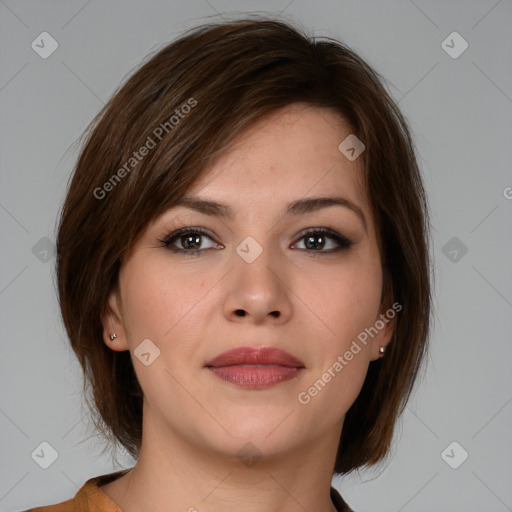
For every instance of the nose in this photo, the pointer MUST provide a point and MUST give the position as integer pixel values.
(257, 291)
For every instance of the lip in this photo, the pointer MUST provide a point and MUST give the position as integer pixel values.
(255, 368)
(260, 355)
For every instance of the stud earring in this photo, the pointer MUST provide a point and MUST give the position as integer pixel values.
(113, 336)
(382, 350)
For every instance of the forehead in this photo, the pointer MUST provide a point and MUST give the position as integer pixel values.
(290, 153)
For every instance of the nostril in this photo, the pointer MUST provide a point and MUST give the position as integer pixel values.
(240, 312)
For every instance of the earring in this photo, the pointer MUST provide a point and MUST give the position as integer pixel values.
(382, 350)
(113, 336)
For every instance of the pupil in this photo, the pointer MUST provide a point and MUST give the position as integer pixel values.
(195, 241)
(310, 244)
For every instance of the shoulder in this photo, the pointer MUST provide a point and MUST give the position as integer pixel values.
(65, 506)
(89, 498)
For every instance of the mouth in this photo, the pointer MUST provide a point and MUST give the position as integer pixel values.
(255, 368)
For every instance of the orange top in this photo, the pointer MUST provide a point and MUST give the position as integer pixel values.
(90, 498)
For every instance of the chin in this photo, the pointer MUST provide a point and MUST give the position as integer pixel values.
(255, 445)
(262, 431)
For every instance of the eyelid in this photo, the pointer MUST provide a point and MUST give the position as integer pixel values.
(174, 234)
(342, 240)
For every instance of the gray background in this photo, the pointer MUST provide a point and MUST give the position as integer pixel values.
(460, 112)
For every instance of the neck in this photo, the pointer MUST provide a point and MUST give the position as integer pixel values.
(185, 476)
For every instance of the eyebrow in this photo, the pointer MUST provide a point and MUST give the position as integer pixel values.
(299, 207)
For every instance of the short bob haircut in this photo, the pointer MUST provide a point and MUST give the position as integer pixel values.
(185, 105)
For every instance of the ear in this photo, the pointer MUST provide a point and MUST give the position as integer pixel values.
(112, 321)
(385, 325)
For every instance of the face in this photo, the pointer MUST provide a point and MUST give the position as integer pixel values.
(268, 269)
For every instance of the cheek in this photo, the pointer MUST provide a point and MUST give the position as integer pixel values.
(157, 301)
(347, 302)
(342, 356)
(344, 302)
(159, 305)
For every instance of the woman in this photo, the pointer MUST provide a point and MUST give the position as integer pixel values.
(243, 273)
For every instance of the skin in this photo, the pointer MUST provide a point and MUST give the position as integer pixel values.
(195, 423)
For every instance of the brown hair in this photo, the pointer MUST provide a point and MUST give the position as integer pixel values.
(190, 99)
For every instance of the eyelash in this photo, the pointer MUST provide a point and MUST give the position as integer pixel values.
(343, 242)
